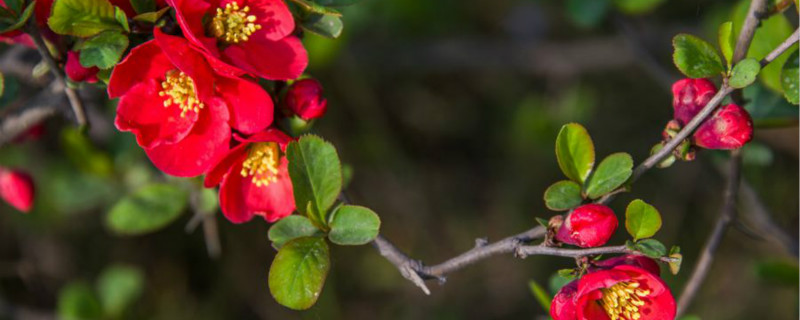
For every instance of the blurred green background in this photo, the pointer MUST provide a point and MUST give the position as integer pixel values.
(447, 112)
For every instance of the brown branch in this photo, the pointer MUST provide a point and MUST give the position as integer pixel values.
(756, 11)
(525, 251)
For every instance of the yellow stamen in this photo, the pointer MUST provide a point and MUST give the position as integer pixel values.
(622, 300)
(232, 24)
(178, 89)
(262, 163)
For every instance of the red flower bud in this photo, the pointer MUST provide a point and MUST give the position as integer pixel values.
(16, 188)
(690, 96)
(730, 128)
(304, 98)
(587, 226)
(629, 260)
(76, 72)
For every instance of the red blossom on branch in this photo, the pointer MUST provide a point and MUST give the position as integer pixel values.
(304, 98)
(77, 72)
(16, 188)
(729, 128)
(689, 96)
(587, 226)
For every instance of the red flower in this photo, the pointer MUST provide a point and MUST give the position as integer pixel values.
(179, 109)
(629, 259)
(587, 226)
(304, 98)
(622, 292)
(16, 188)
(77, 72)
(254, 36)
(689, 97)
(729, 128)
(255, 179)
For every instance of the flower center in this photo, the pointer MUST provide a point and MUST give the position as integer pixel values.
(233, 24)
(622, 300)
(178, 89)
(262, 163)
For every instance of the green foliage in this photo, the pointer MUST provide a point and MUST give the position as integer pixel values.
(651, 248)
(146, 210)
(310, 6)
(103, 50)
(695, 57)
(83, 154)
(642, 220)
(612, 172)
(768, 108)
(77, 301)
(575, 152)
(789, 79)
(337, 3)
(207, 201)
(770, 33)
(563, 195)
(726, 42)
(142, 6)
(13, 20)
(559, 280)
(151, 17)
(289, 228)
(637, 6)
(316, 175)
(298, 272)
(668, 161)
(676, 258)
(587, 13)
(326, 25)
(782, 272)
(86, 18)
(540, 294)
(119, 286)
(2, 84)
(353, 225)
(744, 73)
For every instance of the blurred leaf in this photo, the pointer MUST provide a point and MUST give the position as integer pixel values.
(575, 152)
(2, 84)
(298, 272)
(636, 6)
(783, 272)
(289, 228)
(119, 286)
(10, 89)
(587, 13)
(83, 154)
(540, 294)
(651, 248)
(611, 173)
(744, 73)
(311, 6)
(329, 26)
(142, 6)
(789, 79)
(84, 18)
(695, 57)
(562, 195)
(208, 201)
(14, 5)
(316, 176)
(755, 153)
(690, 317)
(559, 280)
(151, 16)
(726, 42)
(337, 3)
(770, 33)
(77, 301)
(20, 21)
(768, 108)
(103, 50)
(148, 209)
(642, 220)
(354, 225)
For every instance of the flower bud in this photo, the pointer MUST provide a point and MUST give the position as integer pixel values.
(587, 226)
(16, 188)
(563, 305)
(304, 98)
(689, 96)
(730, 128)
(629, 260)
(77, 72)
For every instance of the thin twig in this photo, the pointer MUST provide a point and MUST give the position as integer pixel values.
(754, 13)
(524, 251)
(44, 105)
(794, 38)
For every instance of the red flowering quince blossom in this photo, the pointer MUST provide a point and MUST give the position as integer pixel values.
(587, 226)
(729, 128)
(16, 188)
(254, 178)
(253, 36)
(77, 72)
(689, 96)
(304, 98)
(623, 292)
(180, 110)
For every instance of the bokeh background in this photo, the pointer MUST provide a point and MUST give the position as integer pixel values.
(447, 113)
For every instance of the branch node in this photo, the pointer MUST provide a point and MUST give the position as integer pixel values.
(481, 242)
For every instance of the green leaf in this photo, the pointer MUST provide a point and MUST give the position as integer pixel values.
(770, 33)
(103, 50)
(310, 7)
(77, 301)
(119, 286)
(316, 175)
(329, 26)
(726, 41)
(146, 210)
(354, 225)
(789, 79)
(675, 262)
(690, 317)
(744, 73)
(19, 22)
(695, 57)
(122, 18)
(651, 248)
(586, 13)
(151, 17)
(337, 3)
(559, 279)
(84, 18)
(540, 294)
(668, 161)
(777, 271)
(637, 6)
(612, 172)
(563, 195)
(142, 6)
(575, 152)
(289, 228)
(14, 5)
(542, 222)
(642, 220)
(208, 201)
(298, 272)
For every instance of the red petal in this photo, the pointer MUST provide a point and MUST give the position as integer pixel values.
(188, 60)
(16, 188)
(144, 62)
(141, 111)
(232, 195)
(270, 135)
(563, 305)
(214, 177)
(273, 201)
(273, 15)
(250, 106)
(273, 60)
(730, 128)
(189, 14)
(77, 72)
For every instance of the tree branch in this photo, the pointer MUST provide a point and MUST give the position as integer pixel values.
(794, 38)
(44, 105)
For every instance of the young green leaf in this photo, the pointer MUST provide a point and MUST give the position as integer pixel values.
(354, 225)
(637, 6)
(675, 262)
(316, 175)
(103, 50)
(151, 17)
(289, 228)
(612, 172)
(298, 272)
(651, 248)
(77, 301)
(771, 32)
(575, 152)
(563, 195)
(326, 25)
(84, 18)
(695, 57)
(642, 220)
(18, 22)
(310, 7)
(142, 6)
(789, 79)
(146, 210)
(540, 294)
(726, 42)
(744, 73)
(119, 286)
